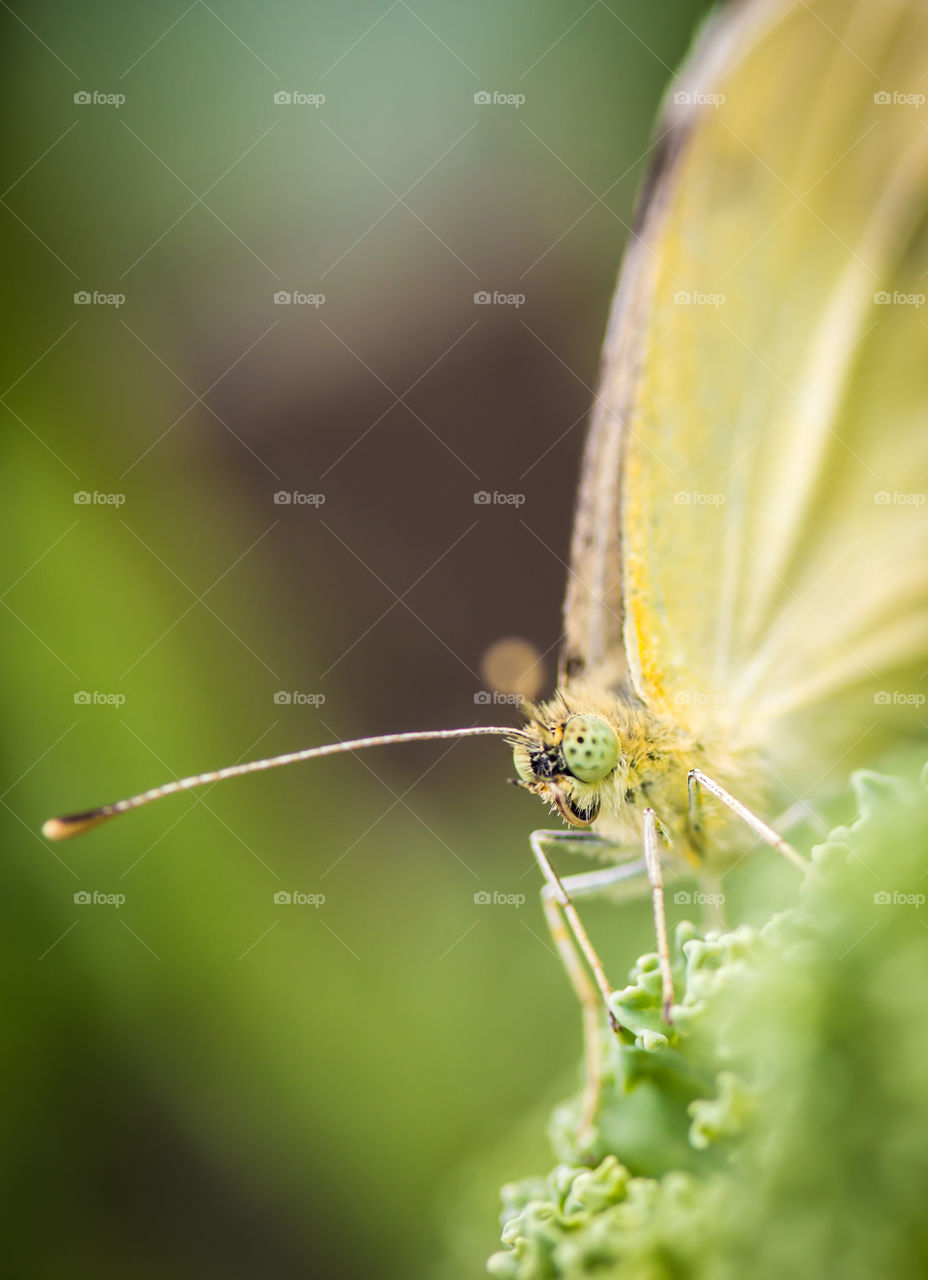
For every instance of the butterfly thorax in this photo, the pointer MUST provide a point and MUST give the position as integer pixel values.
(603, 759)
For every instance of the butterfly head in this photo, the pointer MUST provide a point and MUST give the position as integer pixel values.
(564, 757)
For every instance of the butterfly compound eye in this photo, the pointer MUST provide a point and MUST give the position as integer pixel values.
(590, 748)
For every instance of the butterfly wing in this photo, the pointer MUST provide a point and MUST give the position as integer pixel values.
(765, 428)
(594, 608)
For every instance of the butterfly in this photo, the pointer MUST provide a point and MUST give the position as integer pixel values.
(747, 599)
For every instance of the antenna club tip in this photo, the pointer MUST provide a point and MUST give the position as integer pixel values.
(55, 829)
(73, 824)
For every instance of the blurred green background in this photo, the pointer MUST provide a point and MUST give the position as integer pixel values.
(202, 1080)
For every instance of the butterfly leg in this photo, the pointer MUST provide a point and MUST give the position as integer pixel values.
(559, 912)
(652, 831)
(559, 895)
(696, 831)
(590, 1007)
(697, 780)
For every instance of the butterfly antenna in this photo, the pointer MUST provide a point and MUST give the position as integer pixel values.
(74, 824)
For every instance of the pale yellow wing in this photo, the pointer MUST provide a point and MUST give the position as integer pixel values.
(768, 430)
(594, 644)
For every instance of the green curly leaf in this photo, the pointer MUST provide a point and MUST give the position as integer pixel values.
(778, 1126)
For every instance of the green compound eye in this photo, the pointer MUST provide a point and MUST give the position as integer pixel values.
(590, 747)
